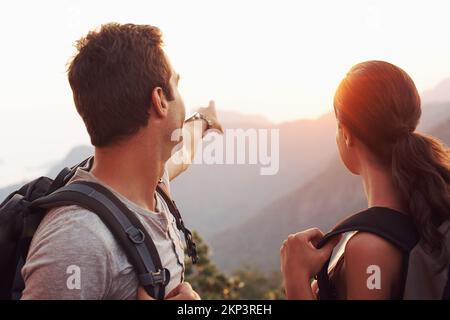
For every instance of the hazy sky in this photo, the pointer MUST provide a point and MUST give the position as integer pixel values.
(282, 59)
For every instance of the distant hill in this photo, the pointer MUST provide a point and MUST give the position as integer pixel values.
(75, 156)
(326, 199)
(440, 93)
(235, 119)
(217, 197)
(214, 197)
(442, 131)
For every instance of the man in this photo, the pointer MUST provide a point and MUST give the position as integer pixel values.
(125, 90)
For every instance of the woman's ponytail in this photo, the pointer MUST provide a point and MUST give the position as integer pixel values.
(421, 171)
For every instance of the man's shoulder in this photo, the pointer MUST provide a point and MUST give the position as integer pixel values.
(76, 226)
(71, 214)
(71, 237)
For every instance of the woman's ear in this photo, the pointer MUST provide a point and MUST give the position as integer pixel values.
(348, 138)
(159, 102)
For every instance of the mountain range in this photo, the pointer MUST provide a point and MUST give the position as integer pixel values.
(325, 200)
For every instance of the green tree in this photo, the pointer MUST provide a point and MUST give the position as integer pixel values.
(258, 285)
(206, 278)
(212, 284)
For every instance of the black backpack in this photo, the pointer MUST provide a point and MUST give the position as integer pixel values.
(22, 211)
(424, 276)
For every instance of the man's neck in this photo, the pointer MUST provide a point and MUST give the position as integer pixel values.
(132, 169)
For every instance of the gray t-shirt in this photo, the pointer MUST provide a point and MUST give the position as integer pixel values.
(73, 255)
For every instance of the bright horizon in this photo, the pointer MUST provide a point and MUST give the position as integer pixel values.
(280, 59)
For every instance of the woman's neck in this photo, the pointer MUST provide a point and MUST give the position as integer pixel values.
(379, 188)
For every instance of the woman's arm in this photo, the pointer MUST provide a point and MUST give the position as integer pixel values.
(373, 268)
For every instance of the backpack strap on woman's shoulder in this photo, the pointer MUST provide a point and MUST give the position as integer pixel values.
(392, 225)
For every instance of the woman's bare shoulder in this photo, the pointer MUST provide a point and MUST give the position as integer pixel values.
(371, 257)
(366, 244)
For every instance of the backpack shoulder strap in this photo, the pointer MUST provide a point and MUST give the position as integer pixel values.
(123, 224)
(191, 247)
(395, 227)
(446, 294)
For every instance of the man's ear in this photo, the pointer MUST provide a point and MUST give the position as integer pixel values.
(159, 102)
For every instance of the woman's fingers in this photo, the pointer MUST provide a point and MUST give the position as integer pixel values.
(313, 234)
(327, 249)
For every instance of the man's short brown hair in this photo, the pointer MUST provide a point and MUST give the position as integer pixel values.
(112, 77)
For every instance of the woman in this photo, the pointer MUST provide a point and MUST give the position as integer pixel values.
(377, 108)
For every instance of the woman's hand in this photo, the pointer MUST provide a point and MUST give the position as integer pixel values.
(301, 260)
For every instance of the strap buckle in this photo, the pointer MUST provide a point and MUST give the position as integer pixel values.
(160, 277)
(136, 235)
